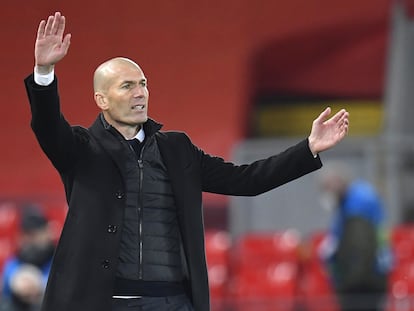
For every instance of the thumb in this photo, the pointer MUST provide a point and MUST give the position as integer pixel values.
(66, 43)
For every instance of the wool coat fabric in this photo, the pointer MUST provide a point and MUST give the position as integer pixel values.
(91, 161)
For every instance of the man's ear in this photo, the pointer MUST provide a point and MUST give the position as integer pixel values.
(100, 100)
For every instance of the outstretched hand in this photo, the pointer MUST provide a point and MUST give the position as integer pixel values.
(51, 46)
(325, 132)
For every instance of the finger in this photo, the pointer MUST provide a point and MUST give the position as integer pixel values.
(346, 124)
(345, 118)
(339, 115)
(41, 29)
(324, 114)
(61, 26)
(344, 121)
(66, 43)
(56, 22)
(48, 26)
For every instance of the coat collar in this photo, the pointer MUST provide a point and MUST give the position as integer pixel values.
(114, 143)
(150, 127)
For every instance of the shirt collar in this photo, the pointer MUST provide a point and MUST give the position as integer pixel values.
(140, 135)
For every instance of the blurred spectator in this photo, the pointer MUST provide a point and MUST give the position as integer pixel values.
(356, 249)
(26, 290)
(35, 247)
(408, 213)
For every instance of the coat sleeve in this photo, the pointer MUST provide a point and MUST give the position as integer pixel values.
(53, 132)
(219, 176)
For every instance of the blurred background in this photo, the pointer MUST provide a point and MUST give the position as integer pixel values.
(244, 79)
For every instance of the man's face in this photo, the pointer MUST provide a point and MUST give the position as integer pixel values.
(333, 187)
(36, 246)
(126, 96)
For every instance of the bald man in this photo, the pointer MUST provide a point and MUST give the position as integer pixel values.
(133, 238)
(121, 93)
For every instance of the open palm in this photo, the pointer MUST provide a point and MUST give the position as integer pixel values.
(325, 132)
(50, 46)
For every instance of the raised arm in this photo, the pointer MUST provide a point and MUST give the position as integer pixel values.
(325, 132)
(53, 132)
(51, 46)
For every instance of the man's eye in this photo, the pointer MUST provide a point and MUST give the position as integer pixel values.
(143, 83)
(126, 86)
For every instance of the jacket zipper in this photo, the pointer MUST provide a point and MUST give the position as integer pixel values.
(140, 214)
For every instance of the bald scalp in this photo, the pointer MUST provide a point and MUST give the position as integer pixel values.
(107, 71)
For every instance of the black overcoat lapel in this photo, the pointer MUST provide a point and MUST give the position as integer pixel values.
(112, 143)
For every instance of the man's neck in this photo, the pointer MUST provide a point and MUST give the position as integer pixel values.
(129, 132)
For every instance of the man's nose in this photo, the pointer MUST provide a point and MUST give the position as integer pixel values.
(139, 92)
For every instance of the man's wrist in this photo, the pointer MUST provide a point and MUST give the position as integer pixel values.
(43, 76)
(312, 148)
(44, 70)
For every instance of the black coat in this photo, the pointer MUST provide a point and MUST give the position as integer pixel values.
(91, 165)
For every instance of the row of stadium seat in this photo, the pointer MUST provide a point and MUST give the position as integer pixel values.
(279, 271)
(259, 271)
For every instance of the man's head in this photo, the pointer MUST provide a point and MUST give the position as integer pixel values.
(334, 180)
(120, 89)
(35, 241)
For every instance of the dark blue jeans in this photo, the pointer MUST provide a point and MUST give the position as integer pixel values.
(170, 303)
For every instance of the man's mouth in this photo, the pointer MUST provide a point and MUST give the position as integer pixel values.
(138, 107)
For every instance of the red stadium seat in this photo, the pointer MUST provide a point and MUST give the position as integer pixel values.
(316, 288)
(266, 288)
(402, 241)
(317, 292)
(267, 248)
(401, 288)
(265, 271)
(7, 249)
(9, 219)
(218, 245)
